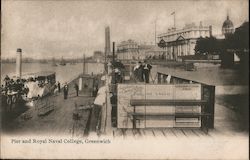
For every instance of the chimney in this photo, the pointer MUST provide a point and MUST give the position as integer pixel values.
(107, 41)
(19, 63)
(210, 31)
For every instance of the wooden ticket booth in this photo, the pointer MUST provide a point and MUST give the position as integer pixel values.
(165, 105)
(87, 85)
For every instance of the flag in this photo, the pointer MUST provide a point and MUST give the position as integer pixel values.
(172, 13)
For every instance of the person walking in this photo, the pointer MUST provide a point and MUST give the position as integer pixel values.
(77, 89)
(59, 86)
(146, 71)
(65, 91)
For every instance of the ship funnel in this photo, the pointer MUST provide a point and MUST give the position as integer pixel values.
(19, 63)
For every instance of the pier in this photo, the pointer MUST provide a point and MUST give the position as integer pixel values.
(59, 118)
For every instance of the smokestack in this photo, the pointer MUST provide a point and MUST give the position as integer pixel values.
(113, 51)
(19, 63)
(210, 31)
(107, 41)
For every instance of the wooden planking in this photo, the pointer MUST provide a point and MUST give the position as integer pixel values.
(163, 133)
(148, 133)
(158, 133)
(178, 132)
(117, 133)
(169, 133)
(137, 133)
(165, 103)
(199, 132)
(189, 133)
(129, 133)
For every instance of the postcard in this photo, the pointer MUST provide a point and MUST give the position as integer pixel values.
(124, 79)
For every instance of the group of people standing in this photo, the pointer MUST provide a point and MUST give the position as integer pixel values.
(66, 89)
(142, 71)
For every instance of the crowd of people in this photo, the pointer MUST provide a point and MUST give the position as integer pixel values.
(142, 71)
(11, 85)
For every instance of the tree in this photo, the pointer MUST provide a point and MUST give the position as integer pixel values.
(208, 45)
(239, 41)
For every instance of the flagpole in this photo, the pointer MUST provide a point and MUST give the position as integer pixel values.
(173, 13)
(155, 30)
(174, 20)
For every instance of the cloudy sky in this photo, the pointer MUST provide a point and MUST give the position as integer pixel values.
(55, 28)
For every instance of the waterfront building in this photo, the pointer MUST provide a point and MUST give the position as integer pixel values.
(131, 50)
(181, 42)
(153, 52)
(128, 50)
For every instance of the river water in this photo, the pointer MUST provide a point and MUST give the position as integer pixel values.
(213, 75)
(63, 73)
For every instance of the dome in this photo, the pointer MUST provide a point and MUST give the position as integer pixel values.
(227, 27)
(228, 23)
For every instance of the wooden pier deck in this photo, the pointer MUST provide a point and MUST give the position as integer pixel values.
(58, 121)
(226, 124)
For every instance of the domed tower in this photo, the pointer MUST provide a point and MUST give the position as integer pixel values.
(227, 27)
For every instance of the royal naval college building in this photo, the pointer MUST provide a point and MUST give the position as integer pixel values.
(181, 42)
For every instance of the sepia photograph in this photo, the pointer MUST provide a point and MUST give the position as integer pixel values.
(124, 79)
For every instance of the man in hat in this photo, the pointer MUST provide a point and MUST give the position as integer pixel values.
(59, 86)
(146, 71)
(65, 91)
(138, 69)
(77, 89)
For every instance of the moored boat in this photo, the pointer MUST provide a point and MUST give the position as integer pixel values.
(62, 62)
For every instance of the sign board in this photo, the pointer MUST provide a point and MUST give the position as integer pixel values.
(126, 92)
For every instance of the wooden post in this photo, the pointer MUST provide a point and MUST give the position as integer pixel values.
(113, 57)
(159, 78)
(83, 63)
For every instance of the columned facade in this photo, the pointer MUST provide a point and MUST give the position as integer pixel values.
(182, 42)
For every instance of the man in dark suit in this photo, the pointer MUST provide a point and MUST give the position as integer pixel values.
(146, 71)
(77, 89)
(65, 91)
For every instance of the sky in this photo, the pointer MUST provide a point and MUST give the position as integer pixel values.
(71, 28)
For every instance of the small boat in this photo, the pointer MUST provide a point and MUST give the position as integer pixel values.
(54, 63)
(62, 62)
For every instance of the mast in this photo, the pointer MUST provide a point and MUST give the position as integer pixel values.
(83, 64)
(155, 30)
